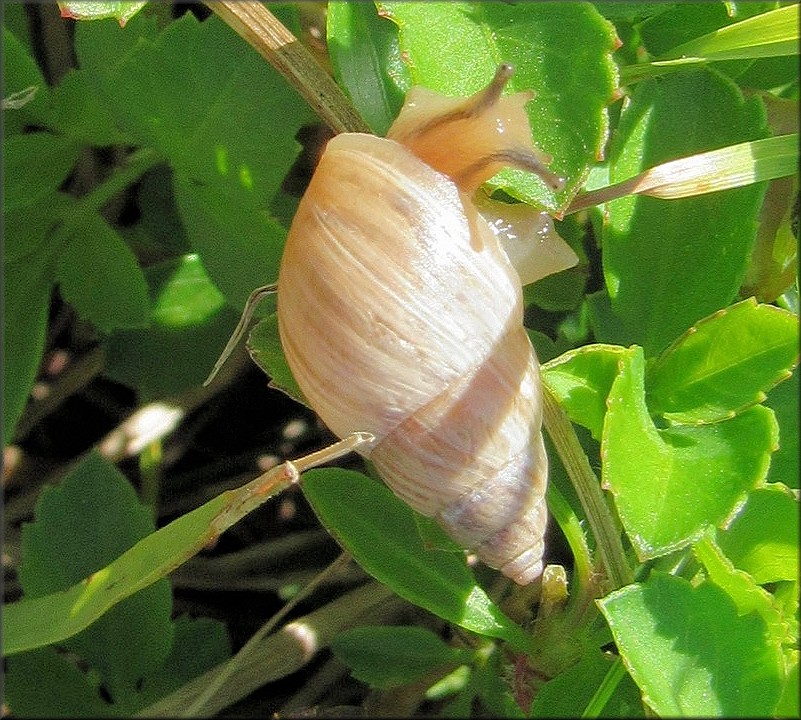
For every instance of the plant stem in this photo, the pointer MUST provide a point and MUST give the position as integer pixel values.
(256, 24)
(588, 490)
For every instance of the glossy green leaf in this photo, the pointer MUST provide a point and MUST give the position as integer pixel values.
(690, 652)
(670, 485)
(99, 275)
(657, 253)
(385, 657)
(383, 538)
(82, 10)
(724, 363)
(581, 380)
(455, 48)
(763, 539)
(34, 166)
(366, 59)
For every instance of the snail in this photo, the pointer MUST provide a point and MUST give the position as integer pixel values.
(401, 314)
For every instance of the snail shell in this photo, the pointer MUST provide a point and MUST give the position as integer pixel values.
(401, 315)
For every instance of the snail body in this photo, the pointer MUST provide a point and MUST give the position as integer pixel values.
(401, 315)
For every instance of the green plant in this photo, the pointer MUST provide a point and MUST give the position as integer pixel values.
(669, 358)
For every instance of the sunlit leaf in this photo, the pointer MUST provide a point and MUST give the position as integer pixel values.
(724, 363)
(657, 253)
(670, 485)
(763, 539)
(581, 379)
(690, 652)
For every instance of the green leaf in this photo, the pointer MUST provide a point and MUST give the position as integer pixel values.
(26, 304)
(789, 704)
(79, 113)
(724, 363)
(188, 326)
(385, 657)
(581, 380)
(101, 278)
(569, 693)
(186, 295)
(656, 251)
(211, 125)
(383, 538)
(784, 401)
(763, 539)
(82, 10)
(240, 245)
(766, 35)
(102, 46)
(21, 72)
(690, 652)
(28, 229)
(162, 361)
(455, 48)
(35, 165)
(682, 22)
(264, 346)
(218, 131)
(366, 59)
(199, 645)
(491, 685)
(744, 592)
(80, 526)
(155, 556)
(70, 691)
(670, 485)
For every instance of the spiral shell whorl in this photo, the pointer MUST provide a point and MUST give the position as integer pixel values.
(474, 460)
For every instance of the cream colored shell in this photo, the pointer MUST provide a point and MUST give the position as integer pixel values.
(401, 315)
